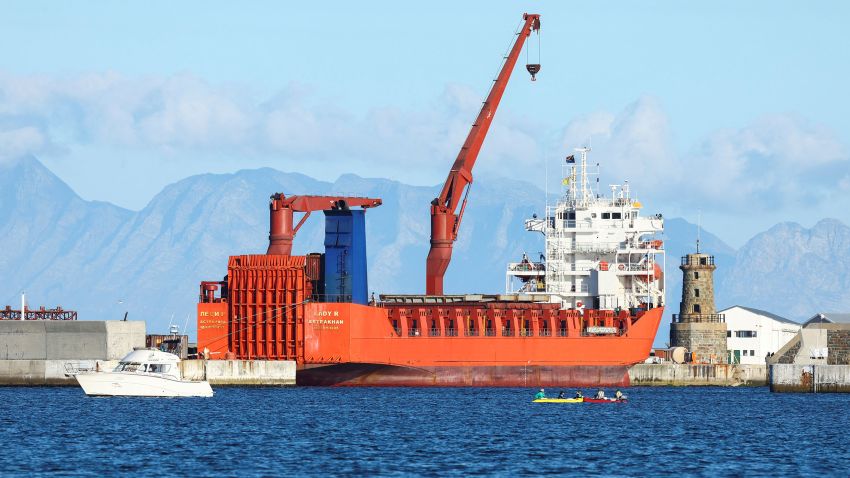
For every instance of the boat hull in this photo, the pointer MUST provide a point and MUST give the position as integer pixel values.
(558, 400)
(116, 384)
(362, 374)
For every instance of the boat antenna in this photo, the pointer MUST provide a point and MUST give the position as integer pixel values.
(23, 305)
(185, 324)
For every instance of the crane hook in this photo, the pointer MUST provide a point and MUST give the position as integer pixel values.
(533, 68)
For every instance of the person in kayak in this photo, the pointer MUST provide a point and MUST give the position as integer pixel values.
(600, 394)
(579, 394)
(540, 394)
(619, 395)
(561, 395)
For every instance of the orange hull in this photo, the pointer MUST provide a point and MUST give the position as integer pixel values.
(350, 344)
(365, 375)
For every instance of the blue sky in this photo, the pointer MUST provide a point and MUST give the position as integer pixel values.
(738, 111)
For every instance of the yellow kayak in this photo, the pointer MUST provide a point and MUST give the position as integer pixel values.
(558, 400)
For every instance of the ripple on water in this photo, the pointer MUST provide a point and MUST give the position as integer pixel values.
(430, 432)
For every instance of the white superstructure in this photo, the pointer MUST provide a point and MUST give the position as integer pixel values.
(600, 252)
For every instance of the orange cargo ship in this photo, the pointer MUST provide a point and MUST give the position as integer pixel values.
(580, 316)
(412, 341)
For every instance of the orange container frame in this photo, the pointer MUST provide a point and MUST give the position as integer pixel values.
(266, 294)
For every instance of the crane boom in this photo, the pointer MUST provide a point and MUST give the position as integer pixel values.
(445, 221)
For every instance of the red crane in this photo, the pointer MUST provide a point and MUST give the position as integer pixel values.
(282, 208)
(444, 220)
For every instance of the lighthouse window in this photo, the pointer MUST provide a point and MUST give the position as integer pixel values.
(696, 275)
(696, 309)
(606, 215)
(616, 215)
(696, 292)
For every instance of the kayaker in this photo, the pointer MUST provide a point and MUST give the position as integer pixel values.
(561, 395)
(600, 394)
(540, 394)
(618, 395)
(579, 394)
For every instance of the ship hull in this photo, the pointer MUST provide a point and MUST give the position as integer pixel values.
(363, 374)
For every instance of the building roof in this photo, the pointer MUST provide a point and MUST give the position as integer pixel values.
(762, 312)
(829, 317)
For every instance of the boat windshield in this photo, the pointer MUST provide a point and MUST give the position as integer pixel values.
(129, 367)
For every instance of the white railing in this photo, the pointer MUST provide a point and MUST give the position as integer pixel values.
(526, 267)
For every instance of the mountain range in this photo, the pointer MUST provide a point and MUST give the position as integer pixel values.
(103, 260)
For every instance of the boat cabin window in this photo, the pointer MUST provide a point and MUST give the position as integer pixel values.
(129, 367)
(616, 215)
(159, 368)
(606, 215)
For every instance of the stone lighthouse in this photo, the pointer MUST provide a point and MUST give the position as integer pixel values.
(698, 327)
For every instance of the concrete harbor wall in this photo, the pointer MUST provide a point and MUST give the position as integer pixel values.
(40, 352)
(810, 378)
(240, 372)
(33, 373)
(698, 375)
(69, 339)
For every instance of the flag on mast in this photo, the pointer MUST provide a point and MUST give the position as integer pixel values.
(571, 159)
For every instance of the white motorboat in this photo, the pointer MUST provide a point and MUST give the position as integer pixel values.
(143, 373)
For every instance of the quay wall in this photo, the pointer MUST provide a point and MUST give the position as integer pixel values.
(69, 339)
(810, 378)
(685, 375)
(240, 372)
(35, 373)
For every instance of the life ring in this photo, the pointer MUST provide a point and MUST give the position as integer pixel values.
(579, 304)
(622, 267)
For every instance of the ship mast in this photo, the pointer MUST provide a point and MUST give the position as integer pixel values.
(586, 192)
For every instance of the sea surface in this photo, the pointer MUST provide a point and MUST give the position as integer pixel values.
(418, 431)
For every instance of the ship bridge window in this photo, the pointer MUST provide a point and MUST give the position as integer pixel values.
(616, 215)
(606, 215)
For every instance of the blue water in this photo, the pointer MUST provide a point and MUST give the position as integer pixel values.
(437, 432)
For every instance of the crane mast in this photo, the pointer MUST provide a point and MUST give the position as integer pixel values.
(445, 219)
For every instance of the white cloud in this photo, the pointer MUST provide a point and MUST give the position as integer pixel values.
(17, 142)
(775, 161)
(186, 115)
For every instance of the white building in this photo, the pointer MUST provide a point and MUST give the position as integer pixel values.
(752, 334)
